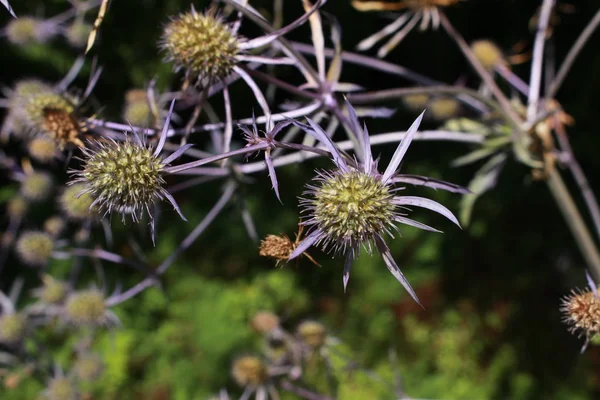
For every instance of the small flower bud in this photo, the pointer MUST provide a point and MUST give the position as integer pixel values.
(202, 45)
(249, 370)
(37, 186)
(487, 53)
(416, 102)
(77, 34)
(264, 322)
(12, 328)
(35, 248)
(86, 308)
(53, 291)
(22, 30)
(17, 207)
(42, 149)
(88, 367)
(312, 333)
(54, 226)
(443, 108)
(137, 110)
(61, 388)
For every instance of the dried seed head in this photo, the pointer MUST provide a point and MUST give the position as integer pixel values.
(581, 311)
(53, 291)
(86, 307)
(17, 207)
(278, 247)
(61, 388)
(62, 126)
(249, 370)
(35, 248)
(312, 333)
(201, 44)
(22, 30)
(417, 102)
(77, 34)
(42, 149)
(37, 187)
(125, 177)
(54, 226)
(264, 322)
(88, 367)
(488, 54)
(443, 108)
(12, 328)
(76, 202)
(350, 208)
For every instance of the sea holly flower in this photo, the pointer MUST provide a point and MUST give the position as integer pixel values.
(354, 205)
(127, 177)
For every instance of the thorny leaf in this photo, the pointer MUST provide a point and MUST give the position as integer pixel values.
(8, 7)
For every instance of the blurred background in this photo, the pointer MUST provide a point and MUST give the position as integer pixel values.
(491, 327)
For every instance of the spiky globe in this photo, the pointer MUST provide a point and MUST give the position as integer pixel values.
(581, 311)
(264, 322)
(12, 327)
(54, 225)
(249, 370)
(137, 109)
(201, 44)
(125, 177)
(77, 34)
(76, 202)
(86, 308)
(35, 248)
(351, 208)
(488, 54)
(61, 388)
(22, 30)
(53, 291)
(443, 108)
(36, 187)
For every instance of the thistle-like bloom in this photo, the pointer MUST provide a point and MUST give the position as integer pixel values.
(127, 177)
(581, 311)
(425, 11)
(354, 205)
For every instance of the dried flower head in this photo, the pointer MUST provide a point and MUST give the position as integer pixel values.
(12, 328)
(17, 207)
(127, 177)
(312, 333)
(42, 149)
(581, 311)
(88, 367)
(488, 54)
(86, 307)
(264, 322)
(35, 248)
(424, 11)
(280, 248)
(54, 226)
(37, 186)
(354, 205)
(249, 370)
(63, 126)
(202, 45)
(76, 202)
(61, 388)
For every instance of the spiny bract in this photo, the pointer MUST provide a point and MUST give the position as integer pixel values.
(201, 44)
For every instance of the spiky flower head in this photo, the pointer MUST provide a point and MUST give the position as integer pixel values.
(86, 307)
(54, 225)
(35, 248)
(53, 291)
(312, 333)
(127, 177)
(487, 53)
(12, 328)
(581, 311)
(354, 205)
(61, 388)
(22, 30)
(76, 202)
(249, 370)
(201, 44)
(42, 149)
(37, 186)
(77, 33)
(88, 367)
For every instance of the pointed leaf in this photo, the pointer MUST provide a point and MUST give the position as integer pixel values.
(165, 129)
(395, 270)
(402, 148)
(363, 135)
(316, 29)
(347, 268)
(176, 154)
(272, 175)
(484, 180)
(418, 180)
(416, 224)
(591, 283)
(8, 7)
(426, 203)
(318, 132)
